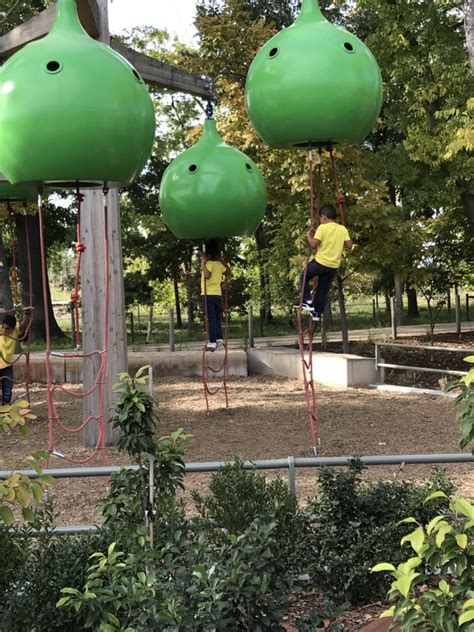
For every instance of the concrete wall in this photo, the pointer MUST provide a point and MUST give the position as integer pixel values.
(332, 369)
(165, 364)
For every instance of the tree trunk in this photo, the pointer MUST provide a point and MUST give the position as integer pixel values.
(27, 226)
(412, 300)
(149, 328)
(6, 298)
(177, 302)
(189, 294)
(467, 199)
(469, 28)
(265, 296)
(342, 315)
(399, 301)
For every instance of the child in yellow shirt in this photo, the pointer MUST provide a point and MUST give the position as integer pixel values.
(9, 335)
(213, 271)
(329, 241)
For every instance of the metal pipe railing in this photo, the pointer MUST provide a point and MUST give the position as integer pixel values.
(291, 464)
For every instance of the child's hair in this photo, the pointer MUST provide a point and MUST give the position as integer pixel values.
(9, 320)
(212, 249)
(328, 211)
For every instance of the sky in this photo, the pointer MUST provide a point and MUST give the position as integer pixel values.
(174, 15)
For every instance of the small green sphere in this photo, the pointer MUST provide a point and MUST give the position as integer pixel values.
(73, 110)
(212, 190)
(313, 83)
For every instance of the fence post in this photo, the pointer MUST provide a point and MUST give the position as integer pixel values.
(292, 475)
(251, 332)
(171, 326)
(458, 314)
(374, 313)
(380, 369)
(393, 317)
(467, 307)
(132, 328)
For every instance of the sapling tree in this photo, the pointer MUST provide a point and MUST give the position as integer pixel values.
(19, 491)
(465, 404)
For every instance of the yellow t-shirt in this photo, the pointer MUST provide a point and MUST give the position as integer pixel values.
(332, 237)
(213, 284)
(7, 347)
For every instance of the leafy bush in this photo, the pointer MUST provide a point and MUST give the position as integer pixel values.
(186, 585)
(50, 563)
(239, 496)
(435, 589)
(355, 525)
(465, 403)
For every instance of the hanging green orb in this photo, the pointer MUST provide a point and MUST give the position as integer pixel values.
(73, 111)
(15, 193)
(212, 190)
(313, 83)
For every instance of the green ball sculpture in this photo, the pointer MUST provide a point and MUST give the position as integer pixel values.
(313, 83)
(14, 193)
(212, 190)
(73, 111)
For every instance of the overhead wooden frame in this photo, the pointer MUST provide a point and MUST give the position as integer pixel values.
(153, 71)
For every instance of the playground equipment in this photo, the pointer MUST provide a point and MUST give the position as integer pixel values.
(212, 190)
(91, 125)
(73, 111)
(313, 85)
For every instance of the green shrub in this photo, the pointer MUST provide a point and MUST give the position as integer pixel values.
(238, 497)
(356, 524)
(435, 589)
(188, 584)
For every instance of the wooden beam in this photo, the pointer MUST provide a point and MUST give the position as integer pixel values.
(164, 75)
(39, 25)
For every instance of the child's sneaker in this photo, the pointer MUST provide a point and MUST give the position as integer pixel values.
(306, 306)
(211, 346)
(316, 316)
(219, 342)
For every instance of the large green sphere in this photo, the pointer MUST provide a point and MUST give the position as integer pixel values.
(212, 190)
(15, 193)
(72, 110)
(313, 83)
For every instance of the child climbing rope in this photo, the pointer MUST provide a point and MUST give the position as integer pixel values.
(9, 336)
(329, 241)
(213, 272)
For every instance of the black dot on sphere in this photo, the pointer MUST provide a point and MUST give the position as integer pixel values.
(248, 167)
(192, 168)
(53, 66)
(273, 52)
(348, 46)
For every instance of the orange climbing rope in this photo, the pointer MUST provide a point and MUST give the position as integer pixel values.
(99, 381)
(222, 368)
(305, 333)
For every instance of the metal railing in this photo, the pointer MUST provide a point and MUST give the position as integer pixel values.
(381, 365)
(291, 464)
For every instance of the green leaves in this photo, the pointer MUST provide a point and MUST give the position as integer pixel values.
(446, 555)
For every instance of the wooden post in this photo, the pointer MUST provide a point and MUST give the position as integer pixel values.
(374, 313)
(93, 306)
(468, 317)
(171, 326)
(132, 328)
(393, 317)
(458, 313)
(251, 334)
(92, 227)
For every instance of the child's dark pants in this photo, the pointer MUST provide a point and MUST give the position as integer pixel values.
(325, 276)
(6, 378)
(214, 316)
